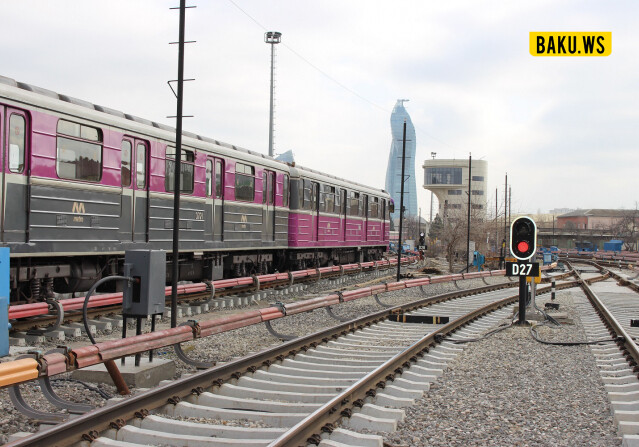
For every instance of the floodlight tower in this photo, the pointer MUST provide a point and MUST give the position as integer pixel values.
(272, 38)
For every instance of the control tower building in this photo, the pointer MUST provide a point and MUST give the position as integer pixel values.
(394, 169)
(448, 179)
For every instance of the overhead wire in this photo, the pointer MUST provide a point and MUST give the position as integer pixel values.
(331, 78)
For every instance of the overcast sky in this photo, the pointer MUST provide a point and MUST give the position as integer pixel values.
(566, 129)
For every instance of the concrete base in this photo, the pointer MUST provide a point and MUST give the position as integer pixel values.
(145, 376)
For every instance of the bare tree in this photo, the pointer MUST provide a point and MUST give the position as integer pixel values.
(455, 230)
(627, 228)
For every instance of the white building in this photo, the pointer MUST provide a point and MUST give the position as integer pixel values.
(448, 180)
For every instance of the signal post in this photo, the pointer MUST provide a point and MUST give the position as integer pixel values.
(523, 245)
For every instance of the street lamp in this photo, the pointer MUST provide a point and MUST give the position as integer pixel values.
(272, 38)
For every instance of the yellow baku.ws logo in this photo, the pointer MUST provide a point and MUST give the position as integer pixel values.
(570, 43)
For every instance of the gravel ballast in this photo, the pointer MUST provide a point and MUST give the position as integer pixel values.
(509, 389)
(219, 348)
(467, 406)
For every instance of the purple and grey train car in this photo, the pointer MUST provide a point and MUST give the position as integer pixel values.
(333, 221)
(83, 183)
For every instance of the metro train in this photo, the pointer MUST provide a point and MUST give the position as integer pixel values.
(82, 183)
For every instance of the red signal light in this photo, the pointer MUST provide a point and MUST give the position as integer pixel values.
(523, 246)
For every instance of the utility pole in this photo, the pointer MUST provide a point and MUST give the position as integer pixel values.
(470, 172)
(502, 256)
(178, 166)
(401, 206)
(272, 38)
(510, 204)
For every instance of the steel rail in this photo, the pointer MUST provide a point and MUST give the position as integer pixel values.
(606, 262)
(221, 287)
(324, 418)
(624, 340)
(87, 426)
(36, 320)
(623, 281)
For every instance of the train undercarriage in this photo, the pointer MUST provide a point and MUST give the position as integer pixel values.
(36, 279)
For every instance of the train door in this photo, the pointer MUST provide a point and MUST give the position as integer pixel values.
(209, 214)
(218, 200)
(365, 217)
(383, 216)
(343, 212)
(140, 195)
(127, 229)
(268, 200)
(14, 124)
(315, 196)
(2, 145)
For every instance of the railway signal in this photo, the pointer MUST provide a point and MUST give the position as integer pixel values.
(422, 241)
(523, 245)
(523, 238)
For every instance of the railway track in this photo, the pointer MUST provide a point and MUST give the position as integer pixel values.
(48, 322)
(607, 309)
(295, 392)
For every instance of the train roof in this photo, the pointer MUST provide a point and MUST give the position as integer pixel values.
(144, 125)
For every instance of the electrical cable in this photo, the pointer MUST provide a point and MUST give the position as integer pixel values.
(533, 331)
(102, 393)
(486, 335)
(549, 319)
(322, 72)
(85, 316)
(544, 313)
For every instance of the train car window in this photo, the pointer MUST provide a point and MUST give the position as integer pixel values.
(338, 201)
(315, 197)
(17, 140)
(373, 208)
(187, 167)
(354, 208)
(308, 192)
(218, 179)
(125, 170)
(209, 178)
(140, 166)
(264, 187)
(285, 186)
(244, 182)
(382, 211)
(328, 198)
(300, 194)
(79, 152)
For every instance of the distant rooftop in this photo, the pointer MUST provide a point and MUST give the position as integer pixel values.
(598, 212)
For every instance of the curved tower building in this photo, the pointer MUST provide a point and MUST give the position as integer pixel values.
(394, 169)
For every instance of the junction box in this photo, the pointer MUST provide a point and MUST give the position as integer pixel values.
(144, 296)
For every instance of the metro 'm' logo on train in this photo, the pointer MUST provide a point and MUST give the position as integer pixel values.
(78, 207)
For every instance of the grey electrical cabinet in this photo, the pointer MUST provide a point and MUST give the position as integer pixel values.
(144, 296)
